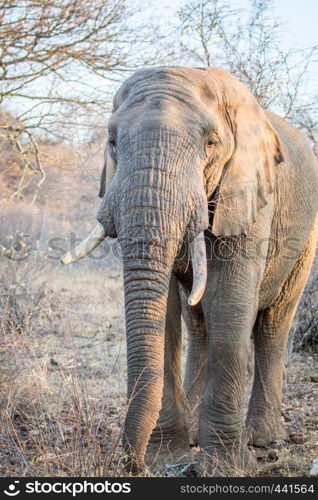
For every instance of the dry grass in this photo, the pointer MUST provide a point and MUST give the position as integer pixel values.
(63, 378)
(295, 455)
(62, 372)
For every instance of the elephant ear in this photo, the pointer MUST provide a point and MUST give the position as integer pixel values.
(108, 173)
(248, 177)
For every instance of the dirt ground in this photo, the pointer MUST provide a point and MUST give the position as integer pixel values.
(63, 377)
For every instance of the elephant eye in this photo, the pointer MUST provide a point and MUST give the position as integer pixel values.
(112, 146)
(212, 141)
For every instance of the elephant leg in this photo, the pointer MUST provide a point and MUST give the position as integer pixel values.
(196, 364)
(170, 438)
(264, 421)
(222, 437)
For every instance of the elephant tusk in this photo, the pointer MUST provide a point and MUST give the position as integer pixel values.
(199, 265)
(95, 238)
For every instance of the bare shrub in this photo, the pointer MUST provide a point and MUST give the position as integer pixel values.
(54, 430)
(57, 414)
(304, 333)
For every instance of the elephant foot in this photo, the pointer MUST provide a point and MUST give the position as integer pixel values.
(168, 447)
(237, 461)
(262, 431)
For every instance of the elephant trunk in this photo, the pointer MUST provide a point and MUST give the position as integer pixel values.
(149, 227)
(152, 209)
(146, 291)
(149, 241)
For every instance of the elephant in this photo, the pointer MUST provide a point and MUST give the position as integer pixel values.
(214, 202)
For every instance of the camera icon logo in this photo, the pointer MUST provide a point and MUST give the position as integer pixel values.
(12, 489)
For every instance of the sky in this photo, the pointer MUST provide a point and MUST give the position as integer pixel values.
(301, 17)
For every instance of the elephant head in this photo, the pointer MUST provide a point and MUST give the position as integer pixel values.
(178, 138)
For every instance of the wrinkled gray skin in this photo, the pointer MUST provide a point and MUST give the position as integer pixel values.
(194, 151)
